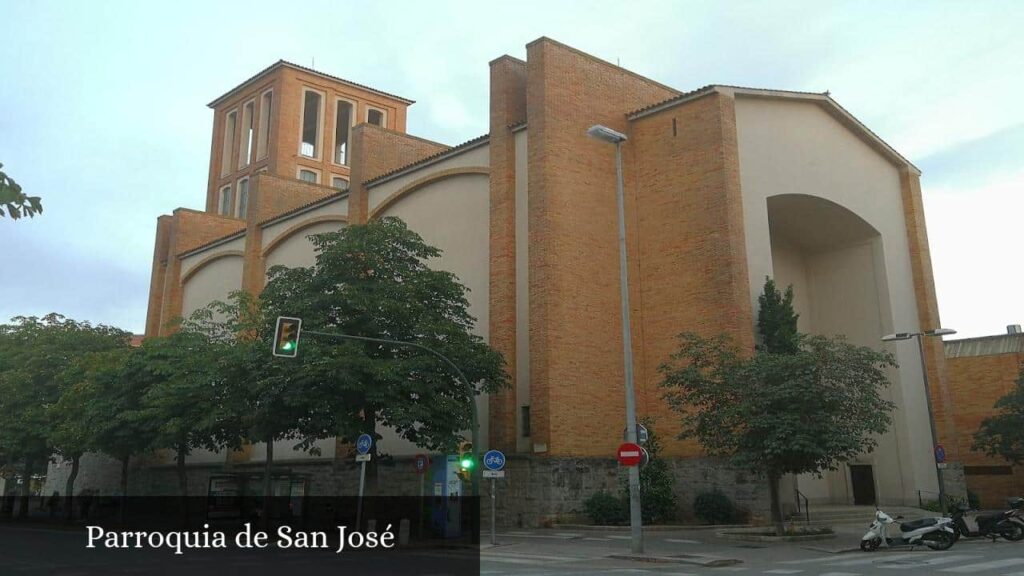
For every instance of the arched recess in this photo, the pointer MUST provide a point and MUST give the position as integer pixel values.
(207, 261)
(284, 236)
(425, 181)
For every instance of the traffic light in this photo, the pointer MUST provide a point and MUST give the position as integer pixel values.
(467, 461)
(286, 337)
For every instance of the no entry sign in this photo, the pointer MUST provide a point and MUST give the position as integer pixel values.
(630, 454)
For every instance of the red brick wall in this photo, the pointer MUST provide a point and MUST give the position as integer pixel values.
(376, 151)
(576, 370)
(976, 383)
(691, 256)
(508, 106)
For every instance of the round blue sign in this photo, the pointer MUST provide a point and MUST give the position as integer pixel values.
(363, 443)
(940, 454)
(494, 460)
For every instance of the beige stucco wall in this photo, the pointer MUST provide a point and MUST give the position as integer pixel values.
(452, 214)
(213, 281)
(337, 207)
(791, 147)
(478, 156)
(191, 261)
(297, 250)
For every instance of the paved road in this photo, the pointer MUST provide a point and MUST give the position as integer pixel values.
(543, 553)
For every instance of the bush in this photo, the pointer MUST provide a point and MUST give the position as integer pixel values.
(714, 507)
(605, 509)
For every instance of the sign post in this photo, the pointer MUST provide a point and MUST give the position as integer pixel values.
(494, 461)
(363, 444)
(422, 463)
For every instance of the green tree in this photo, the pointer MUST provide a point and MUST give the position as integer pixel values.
(264, 398)
(1002, 435)
(373, 280)
(34, 353)
(16, 202)
(184, 396)
(776, 320)
(119, 423)
(777, 414)
(369, 280)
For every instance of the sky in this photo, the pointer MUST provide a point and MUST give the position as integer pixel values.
(103, 111)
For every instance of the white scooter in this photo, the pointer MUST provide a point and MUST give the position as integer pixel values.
(936, 533)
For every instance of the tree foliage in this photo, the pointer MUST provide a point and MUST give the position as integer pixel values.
(800, 404)
(776, 320)
(16, 202)
(1002, 435)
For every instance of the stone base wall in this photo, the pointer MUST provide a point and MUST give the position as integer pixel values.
(537, 491)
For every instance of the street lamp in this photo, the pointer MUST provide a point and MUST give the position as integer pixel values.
(606, 134)
(927, 393)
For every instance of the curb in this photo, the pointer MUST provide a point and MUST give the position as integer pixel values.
(757, 537)
(656, 528)
(705, 561)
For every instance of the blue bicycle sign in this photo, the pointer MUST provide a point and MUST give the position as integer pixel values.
(363, 443)
(494, 460)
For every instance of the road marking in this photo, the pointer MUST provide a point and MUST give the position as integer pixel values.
(971, 568)
(934, 561)
(823, 558)
(782, 571)
(839, 574)
(873, 558)
(615, 537)
(681, 541)
(596, 539)
(538, 558)
(567, 534)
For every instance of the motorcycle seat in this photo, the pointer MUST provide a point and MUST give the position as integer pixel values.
(917, 524)
(990, 518)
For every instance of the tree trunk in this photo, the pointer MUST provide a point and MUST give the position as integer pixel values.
(124, 486)
(69, 488)
(773, 487)
(26, 489)
(182, 483)
(267, 484)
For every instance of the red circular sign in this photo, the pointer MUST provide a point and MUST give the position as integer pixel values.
(630, 454)
(422, 463)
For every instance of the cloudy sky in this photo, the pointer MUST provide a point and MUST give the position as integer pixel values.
(103, 110)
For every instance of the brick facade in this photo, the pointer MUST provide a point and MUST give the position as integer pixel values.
(977, 382)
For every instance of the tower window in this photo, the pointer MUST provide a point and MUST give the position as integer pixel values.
(266, 104)
(224, 205)
(243, 198)
(342, 125)
(310, 146)
(245, 150)
(524, 416)
(308, 176)
(228, 145)
(374, 116)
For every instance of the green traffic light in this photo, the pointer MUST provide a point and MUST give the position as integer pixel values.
(287, 346)
(467, 463)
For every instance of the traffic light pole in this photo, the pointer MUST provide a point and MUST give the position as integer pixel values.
(475, 430)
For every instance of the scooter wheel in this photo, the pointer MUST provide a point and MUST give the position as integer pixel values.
(939, 540)
(1014, 532)
(870, 545)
